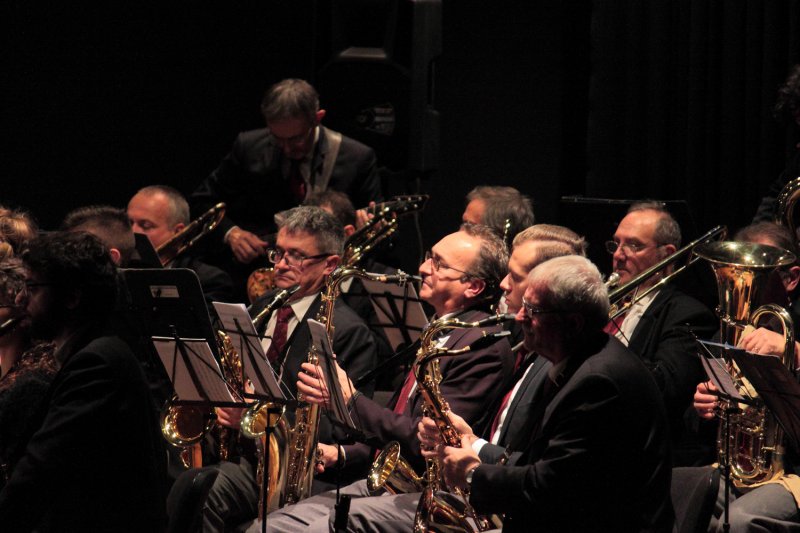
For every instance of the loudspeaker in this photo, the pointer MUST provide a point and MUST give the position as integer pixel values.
(376, 77)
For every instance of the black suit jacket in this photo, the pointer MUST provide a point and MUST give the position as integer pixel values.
(599, 460)
(518, 411)
(352, 342)
(96, 461)
(250, 181)
(667, 347)
(470, 382)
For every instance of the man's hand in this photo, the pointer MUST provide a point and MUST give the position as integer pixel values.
(765, 342)
(230, 417)
(246, 246)
(363, 216)
(456, 462)
(311, 382)
(705, 403)
(328, 457)
(430, 438)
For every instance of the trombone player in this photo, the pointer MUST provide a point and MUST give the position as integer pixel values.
(661, 327)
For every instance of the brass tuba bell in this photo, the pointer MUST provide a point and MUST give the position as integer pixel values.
(755, 439)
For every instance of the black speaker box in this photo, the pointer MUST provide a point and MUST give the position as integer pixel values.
(376, 76)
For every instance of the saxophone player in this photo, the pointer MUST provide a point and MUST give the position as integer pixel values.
(594, 454)
(308, 248)
(461, 275)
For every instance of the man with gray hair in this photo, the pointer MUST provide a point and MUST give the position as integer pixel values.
(660, 327)
(272, 169)
(308, 248)
(594, 454)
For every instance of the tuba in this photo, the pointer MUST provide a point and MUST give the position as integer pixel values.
(189, 235)
(753, 444)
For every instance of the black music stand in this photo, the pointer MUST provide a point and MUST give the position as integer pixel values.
(144, 255)
(398, 310)
(168, 301)
(236, 323)
(775, 384)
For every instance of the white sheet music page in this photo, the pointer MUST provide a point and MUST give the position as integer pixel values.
(192, 370)
(238, 325)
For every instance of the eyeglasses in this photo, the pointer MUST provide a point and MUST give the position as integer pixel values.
(438, 264)
(627, 248)
(293, 259)
(531, 310)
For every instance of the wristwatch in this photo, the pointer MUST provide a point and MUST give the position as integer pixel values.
(468, 477)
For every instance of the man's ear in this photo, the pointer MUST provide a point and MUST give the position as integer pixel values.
(319, 116)
(792, 278)
(116, 256)
(474, 287)
(331, 262)
(178, 228)
(349, 229)
(668, 250)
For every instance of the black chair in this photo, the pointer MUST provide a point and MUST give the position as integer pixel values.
(186, 499)
(694, 495)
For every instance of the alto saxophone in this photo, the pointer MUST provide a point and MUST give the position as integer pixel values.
(302, 452)
(434, 514)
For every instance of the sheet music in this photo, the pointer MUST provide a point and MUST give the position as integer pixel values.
(396, 306)
(238, 325)
(716, 367)
(320, 340)
(197, 377)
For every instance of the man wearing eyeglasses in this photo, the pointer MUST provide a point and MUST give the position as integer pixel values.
(660, 327)
(594, 454)
(273, 169)
(308, 248)
(461, 276)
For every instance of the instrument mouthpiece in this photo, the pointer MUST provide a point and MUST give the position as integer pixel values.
(9, 325)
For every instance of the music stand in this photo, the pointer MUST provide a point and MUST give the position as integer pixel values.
(168, 301)
(144, 255)
(398, 310)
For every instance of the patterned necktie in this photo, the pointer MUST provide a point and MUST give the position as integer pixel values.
(297, 185)
(279, 335)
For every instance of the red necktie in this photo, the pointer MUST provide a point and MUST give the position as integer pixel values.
(405, 393)
(279, 335)
(507, 397)
(296, 182)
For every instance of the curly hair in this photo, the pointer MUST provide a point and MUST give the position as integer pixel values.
(76, 261)
(788, 102)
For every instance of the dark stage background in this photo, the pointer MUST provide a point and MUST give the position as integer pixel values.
(668, 99)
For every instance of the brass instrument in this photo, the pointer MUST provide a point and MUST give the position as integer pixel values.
(184, 426)
(303, 439)
(383, 224)
(623, 297)
(189, 235)
(281, 297)
(787, 199)
(753, 445)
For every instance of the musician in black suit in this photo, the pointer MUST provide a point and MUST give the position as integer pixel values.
(161, 212)
(460, 277)
(509, 412)
(95, 418)
(273, 169)
(308, 249)
(661, 327)
(594, 453)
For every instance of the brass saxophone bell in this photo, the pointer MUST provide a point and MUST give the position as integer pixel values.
(391, 472)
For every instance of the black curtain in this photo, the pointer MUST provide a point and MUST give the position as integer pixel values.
(681, 97)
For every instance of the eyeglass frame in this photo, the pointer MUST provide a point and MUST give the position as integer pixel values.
(436, 263)
(274, 258)
(532, 310)
(631, 248)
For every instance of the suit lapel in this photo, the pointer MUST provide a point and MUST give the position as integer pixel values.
(644, 329)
